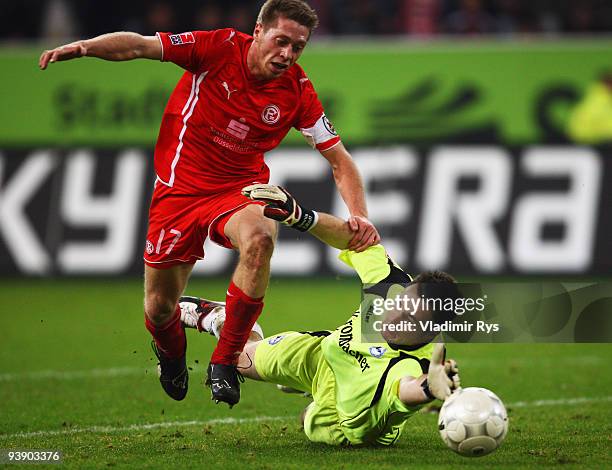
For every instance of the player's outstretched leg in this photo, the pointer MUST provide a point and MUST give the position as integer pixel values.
(209, 316)
(163, 320)
(253, 235)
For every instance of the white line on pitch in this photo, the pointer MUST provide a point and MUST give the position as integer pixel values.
(83, 374)
(73, 374)
(144, 427)
(258, 419)
(136, 371)
(560, 401)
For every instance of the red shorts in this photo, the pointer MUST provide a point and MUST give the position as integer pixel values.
(179, 225)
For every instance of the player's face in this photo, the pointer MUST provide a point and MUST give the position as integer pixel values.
(277, 47)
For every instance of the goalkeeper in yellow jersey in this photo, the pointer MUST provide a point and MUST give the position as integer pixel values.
(362, 392)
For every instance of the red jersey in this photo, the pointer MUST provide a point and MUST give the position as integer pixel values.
(219, 120)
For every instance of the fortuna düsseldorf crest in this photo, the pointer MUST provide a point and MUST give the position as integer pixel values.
(270, 114)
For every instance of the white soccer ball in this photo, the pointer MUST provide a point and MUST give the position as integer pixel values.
(473, 421)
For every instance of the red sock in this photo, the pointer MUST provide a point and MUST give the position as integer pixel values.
(170, 337)
(241, 312)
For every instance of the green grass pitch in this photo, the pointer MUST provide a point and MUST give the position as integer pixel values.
(77, 375)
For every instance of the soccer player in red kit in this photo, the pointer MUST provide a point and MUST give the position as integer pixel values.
(238, 98)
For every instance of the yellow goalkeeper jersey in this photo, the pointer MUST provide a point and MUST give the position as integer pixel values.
(365, 377)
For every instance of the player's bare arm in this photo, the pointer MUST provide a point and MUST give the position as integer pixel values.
(333, 231)
(350, 185)
(283, 207)
(118, 46)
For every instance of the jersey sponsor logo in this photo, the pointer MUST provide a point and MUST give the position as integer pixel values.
(183, 38)
(275, 340)
(329, 126)
(238, 129)
(344, 342)
(378, 351)
(149, 247)
(270, 114)
(231, 142)
(227, 88)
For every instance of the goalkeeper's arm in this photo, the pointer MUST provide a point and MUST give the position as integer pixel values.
(282, 206)
(441, 380)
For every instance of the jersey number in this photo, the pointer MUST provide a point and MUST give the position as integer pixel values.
(162, 234)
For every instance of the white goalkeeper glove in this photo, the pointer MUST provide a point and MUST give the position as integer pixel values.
(443, 376)
(282, 206)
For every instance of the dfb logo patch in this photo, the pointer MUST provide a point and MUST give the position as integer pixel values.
(377, 351)
(275, 340)
(183, 38)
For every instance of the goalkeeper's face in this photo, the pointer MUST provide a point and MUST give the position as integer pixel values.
(404, 325)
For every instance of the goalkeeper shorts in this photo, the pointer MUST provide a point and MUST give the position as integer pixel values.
(295, 360)
(289, 358)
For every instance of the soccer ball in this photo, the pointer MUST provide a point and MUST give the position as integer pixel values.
(473, 421)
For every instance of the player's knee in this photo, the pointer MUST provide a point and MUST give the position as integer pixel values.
(257, 249)
(159, 309)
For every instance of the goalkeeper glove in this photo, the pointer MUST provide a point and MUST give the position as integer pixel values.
(282, 206)
(442, 377)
